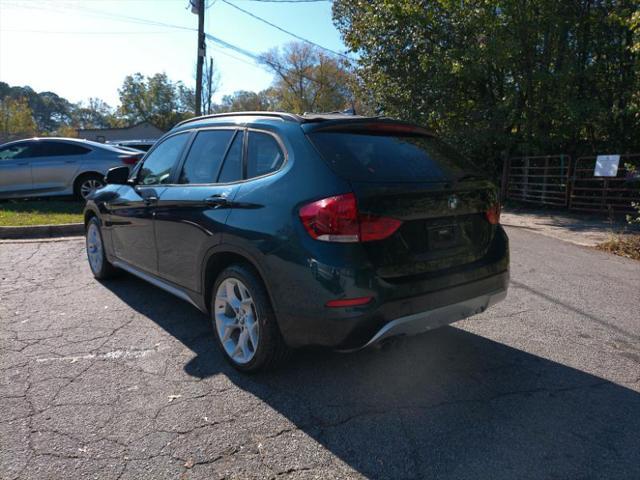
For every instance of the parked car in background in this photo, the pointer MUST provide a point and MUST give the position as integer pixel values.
(294, 230)
(143, 145)
(39, 167)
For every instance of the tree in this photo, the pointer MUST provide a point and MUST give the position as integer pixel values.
(502, 75)
(49, 110)
(155, 99)
(307, 79)
(16, 119)
(96, 113)
(246, 101)
(210, 85)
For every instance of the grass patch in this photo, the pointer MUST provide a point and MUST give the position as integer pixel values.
(40, 212)
(623, 245)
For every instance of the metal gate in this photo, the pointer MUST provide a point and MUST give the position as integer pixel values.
(541, 180)
(604, 194)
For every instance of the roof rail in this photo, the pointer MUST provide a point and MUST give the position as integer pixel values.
(284, 116)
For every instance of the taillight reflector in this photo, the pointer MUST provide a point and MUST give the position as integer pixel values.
(129, 160)
(348, 302)
(493, 214)
(336, 219)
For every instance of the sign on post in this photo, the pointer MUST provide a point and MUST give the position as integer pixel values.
(606, 166)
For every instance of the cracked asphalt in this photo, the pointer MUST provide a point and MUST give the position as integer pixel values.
(121, 380)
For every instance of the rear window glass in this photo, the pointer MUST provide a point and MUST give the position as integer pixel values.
(400, 158)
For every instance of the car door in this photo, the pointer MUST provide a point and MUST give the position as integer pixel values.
(55, 163)
(15, 168)
(191, 214)
(131, 214)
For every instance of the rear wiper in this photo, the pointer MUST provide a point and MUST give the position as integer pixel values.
(470, 176)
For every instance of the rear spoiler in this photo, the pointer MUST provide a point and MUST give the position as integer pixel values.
(375, 127)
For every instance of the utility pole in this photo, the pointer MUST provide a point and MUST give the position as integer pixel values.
(209, 83)
(201, 54)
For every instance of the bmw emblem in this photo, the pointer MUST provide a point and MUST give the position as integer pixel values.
(453, 202)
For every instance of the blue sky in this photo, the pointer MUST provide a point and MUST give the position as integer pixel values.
(84, 48)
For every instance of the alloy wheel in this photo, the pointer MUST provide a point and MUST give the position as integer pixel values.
(89, 186)
(236, 320)
(94, 247)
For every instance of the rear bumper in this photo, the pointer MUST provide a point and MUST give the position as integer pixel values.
(424, 321)
(413, 304)
(355, 328)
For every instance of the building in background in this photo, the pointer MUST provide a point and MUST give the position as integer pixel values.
(142, 130)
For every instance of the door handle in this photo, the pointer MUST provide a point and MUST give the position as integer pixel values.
(150, 199)
(70, 161)
(23, 163)
(217, 201)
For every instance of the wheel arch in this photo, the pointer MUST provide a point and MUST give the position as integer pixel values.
(219, 258)
(84, 173)
(89, 213)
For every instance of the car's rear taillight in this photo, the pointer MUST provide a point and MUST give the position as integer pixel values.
(129, 160)
(336, 219)
(493, 214)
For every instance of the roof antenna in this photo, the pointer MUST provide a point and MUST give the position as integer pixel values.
(350, 111)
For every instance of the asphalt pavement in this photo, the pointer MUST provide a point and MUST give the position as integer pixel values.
(121, 380)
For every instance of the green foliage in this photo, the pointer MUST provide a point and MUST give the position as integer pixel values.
(247, 101)
(503, 76)
(40, 212)
(95, 113)
(48, 109)
(155, 99)
(16, 119)
(634, 173)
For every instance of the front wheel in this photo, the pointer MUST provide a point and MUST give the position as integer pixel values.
(100, 266)
(244, 322)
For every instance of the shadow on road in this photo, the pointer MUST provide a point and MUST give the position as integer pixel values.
(446, 404)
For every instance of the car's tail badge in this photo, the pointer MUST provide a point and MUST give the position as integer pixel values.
(453, 202)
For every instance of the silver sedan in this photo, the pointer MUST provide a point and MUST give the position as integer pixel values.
(39, 167)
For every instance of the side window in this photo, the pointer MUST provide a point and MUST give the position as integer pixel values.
(205, 156)
(232, 168)
(264, 155)
(156, 168)
(60, 149)
(17, 150)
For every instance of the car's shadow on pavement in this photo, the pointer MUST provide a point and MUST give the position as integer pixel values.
(446, 404)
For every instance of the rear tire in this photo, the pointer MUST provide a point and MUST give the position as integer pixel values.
(244, 323)
(86, 184)
(101, 268)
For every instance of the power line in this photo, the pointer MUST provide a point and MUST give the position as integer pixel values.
(103, 14)
(85, 32)
(306, 40)
(264, 63)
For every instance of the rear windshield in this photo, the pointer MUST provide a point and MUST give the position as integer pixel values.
(399, 158)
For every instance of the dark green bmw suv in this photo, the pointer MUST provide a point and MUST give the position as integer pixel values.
(294, 230)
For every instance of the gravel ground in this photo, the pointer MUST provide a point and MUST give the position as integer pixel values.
(121, 380)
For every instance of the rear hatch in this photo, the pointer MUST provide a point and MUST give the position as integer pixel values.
(401, 171)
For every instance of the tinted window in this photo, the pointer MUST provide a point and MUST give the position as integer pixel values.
(263, 154)
(56, 149)
(232, 168)
(157, 166)
(205, 156)
(368, 157)
(17, 150)
(141, 146)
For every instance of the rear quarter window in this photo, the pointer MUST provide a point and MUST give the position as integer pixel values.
(60, 149)
(400, 158)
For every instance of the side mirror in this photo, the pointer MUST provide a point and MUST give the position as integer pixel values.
(117, 176)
